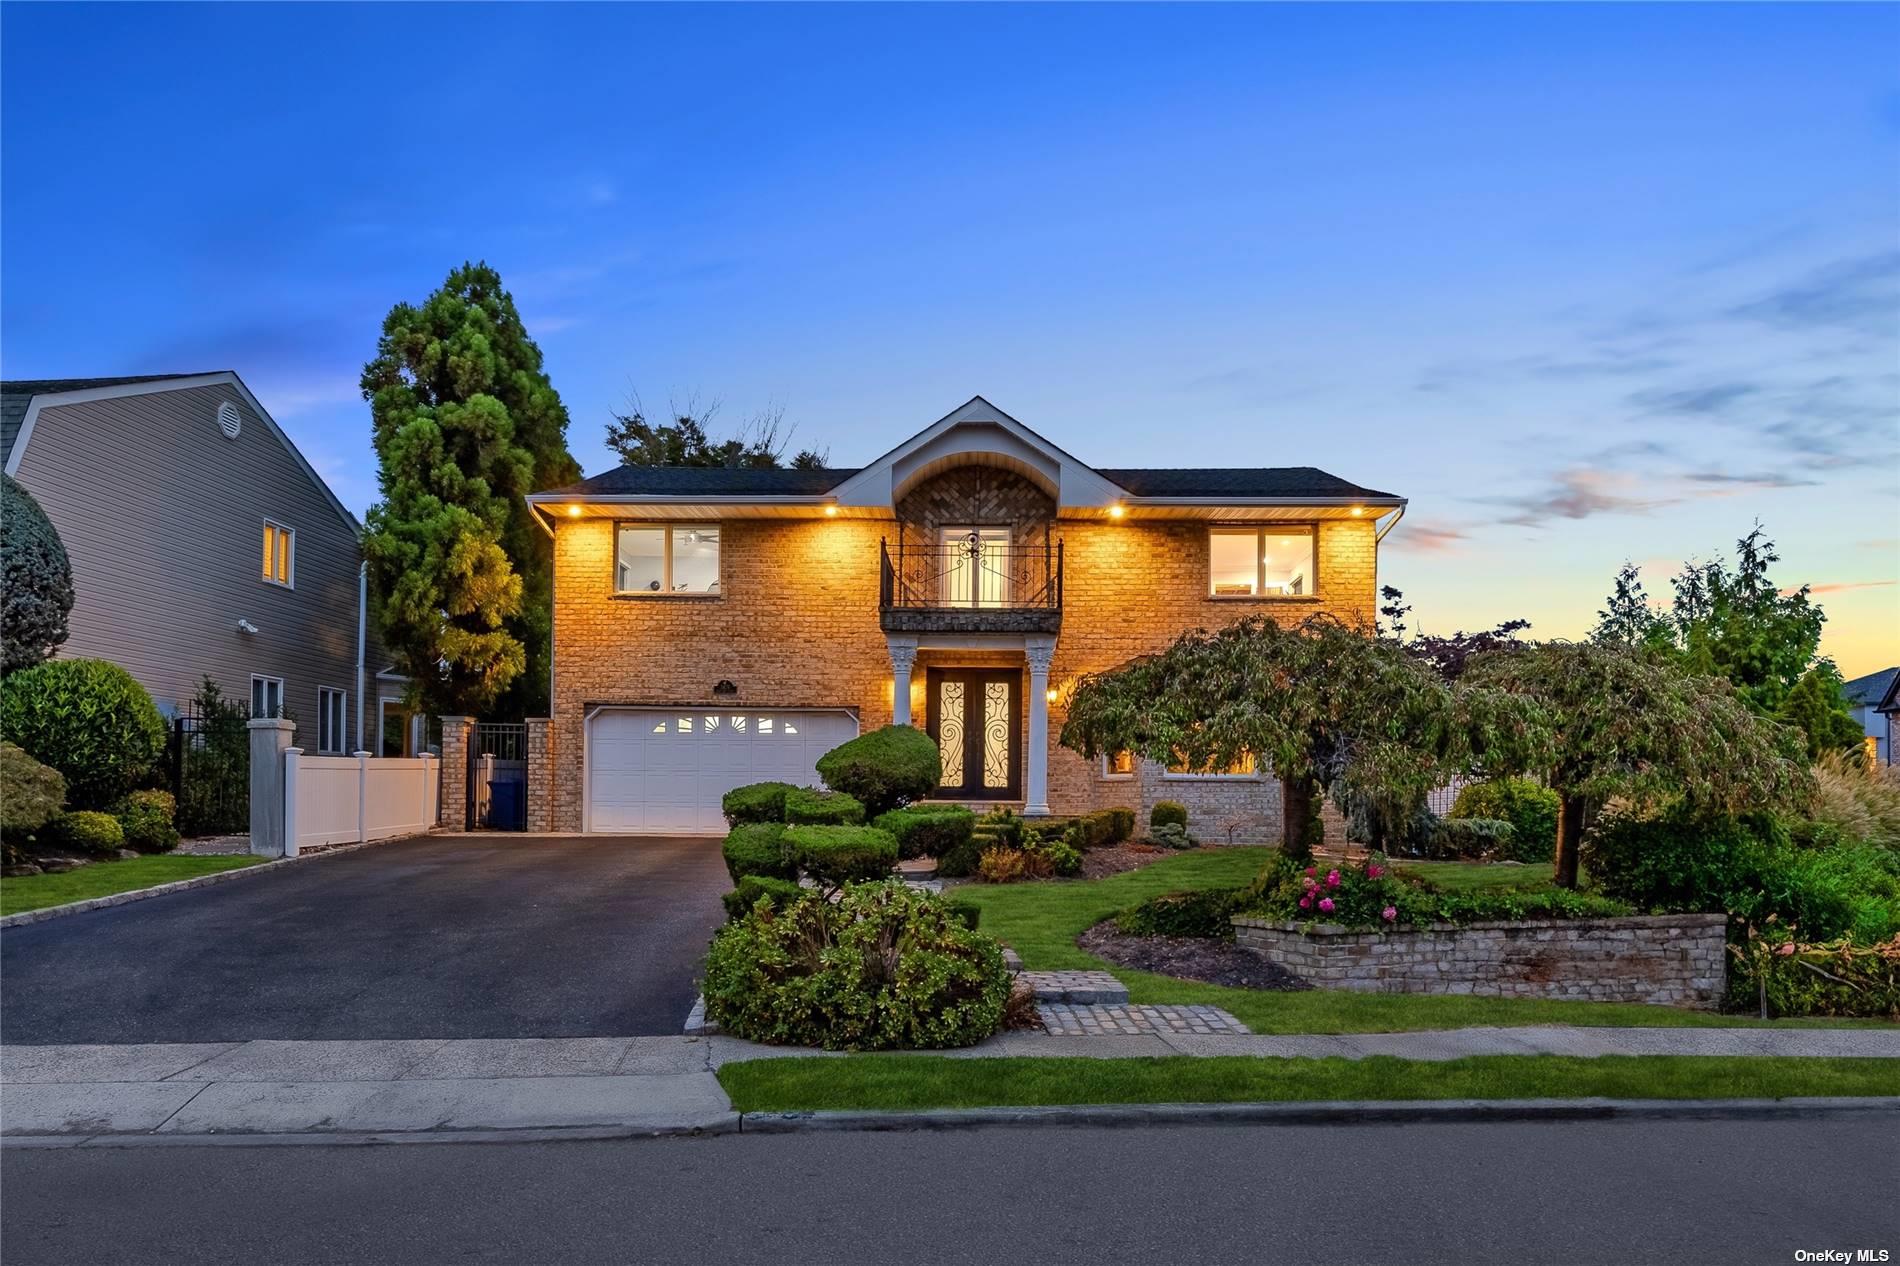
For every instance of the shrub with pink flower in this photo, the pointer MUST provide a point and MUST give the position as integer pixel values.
(1390, 914)
(1363, 895)
(1326, 904)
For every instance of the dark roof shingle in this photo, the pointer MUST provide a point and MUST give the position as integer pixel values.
(718, 481)
(1234, 481)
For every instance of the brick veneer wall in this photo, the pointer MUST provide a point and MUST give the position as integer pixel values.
(796, 625)
(1679, 959)
(452, 809)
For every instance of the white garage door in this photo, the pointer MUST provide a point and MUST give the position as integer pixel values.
(662, 772)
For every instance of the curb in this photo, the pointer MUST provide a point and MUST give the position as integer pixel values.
(1350, 1112)
(26, 917)
(729, 1123)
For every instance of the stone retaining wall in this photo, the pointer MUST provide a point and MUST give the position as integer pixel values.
(1678, 959)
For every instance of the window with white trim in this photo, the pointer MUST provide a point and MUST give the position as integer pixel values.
(333, 707)
(1118, 764)
(267, 696)
(671, 559)
(1261, 562)
(280, 555)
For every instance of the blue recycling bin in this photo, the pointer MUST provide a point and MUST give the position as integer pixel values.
(507, 807)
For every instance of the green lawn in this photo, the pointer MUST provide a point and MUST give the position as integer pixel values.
(898, 1082)
(1042, 920)
(102, 879)
(1469, 876)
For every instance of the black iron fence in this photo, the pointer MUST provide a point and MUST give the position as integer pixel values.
(209, 760)
(498, 776)
(973, 572)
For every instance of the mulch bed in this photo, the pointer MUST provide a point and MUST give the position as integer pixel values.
(1100, 863)
(1189, 958)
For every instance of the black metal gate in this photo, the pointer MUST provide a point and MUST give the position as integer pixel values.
(208, 757)
(498, 776)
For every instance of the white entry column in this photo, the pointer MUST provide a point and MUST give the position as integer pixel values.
(1039, 651)
(903, 657)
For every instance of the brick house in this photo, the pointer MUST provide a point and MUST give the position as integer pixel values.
(714, 627)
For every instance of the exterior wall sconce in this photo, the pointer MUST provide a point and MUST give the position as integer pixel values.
(573, 512)
(1051, 694)
(831, 511)
(1117, 510)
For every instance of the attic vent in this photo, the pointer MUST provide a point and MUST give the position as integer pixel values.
(229, 420)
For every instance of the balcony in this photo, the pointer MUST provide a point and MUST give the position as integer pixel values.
(977, 582)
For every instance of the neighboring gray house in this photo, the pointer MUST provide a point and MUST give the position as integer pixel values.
(203, 543)
(1871, 698)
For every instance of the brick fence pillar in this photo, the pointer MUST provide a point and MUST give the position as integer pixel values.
(540, 788)
(457, 733)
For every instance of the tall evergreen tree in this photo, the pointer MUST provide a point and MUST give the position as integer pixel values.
(1627, 620)
(465, 423)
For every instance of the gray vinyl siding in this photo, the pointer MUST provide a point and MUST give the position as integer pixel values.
(163, 518)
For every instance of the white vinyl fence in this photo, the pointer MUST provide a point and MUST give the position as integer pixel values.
(352, 799)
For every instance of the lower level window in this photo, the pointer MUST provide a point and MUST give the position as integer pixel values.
(267, 696)
(1241, 768)
(332, 733)
(1119, 764)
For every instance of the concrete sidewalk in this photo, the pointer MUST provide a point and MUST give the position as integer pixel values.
(639, 1085)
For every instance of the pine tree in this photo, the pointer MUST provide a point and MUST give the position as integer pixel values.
(1627, 620)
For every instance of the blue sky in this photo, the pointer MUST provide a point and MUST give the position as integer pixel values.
(1585, 283)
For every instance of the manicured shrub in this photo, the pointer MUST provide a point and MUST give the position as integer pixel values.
(85, 831)
(1121, 824)
(1054, 856)
(885, 769)
(31, 794)
(1529, 807)
(146, 819)
(755, 802)
(928, 830)
(36, 581)
(1171, 835)
(754, 888)
(968, 913)
(1002, 865)
(1371, 895)
(1778, 975)
(1168, 811)
(757, 848)
(805, 806)
(884, 967)
(1102, 828)
(832, 856)
(89, 720)
(1206, 913)
(1473, 839)
(1001, 826)
(961, 861)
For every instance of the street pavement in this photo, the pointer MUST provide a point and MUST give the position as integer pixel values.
(1684, 1192)
(493, 936)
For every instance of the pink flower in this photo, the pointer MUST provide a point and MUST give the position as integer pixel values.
(1310, 882)
(1786, 949)
(1332, 879)
(1312, 870)
(1306, 902)
(1389, 913)
(1373, 872)
(1326, 904)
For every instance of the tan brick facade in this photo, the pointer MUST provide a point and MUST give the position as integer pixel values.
(452, 808)
(795, 624)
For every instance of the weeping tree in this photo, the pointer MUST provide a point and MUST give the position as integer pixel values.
(1323, 705)
(1631, 724)
(36, 580)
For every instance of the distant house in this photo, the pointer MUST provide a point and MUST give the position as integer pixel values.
(203, 544)
(1872, 700)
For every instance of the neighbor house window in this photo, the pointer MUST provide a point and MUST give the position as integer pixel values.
(280, 554)
(1260, 562)
(1120, 764)
(1241, 768)
(679, 560)
(332, 734)
(267, 696)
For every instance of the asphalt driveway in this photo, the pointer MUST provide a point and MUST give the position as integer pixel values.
(450, 937)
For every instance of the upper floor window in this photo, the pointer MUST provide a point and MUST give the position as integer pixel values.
(666, 560)
(1260, 562)
(332, 729)
(280, 555)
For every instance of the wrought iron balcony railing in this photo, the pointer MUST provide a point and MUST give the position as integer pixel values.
(977, 582)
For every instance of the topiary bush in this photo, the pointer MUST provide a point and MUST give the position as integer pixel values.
(31, 794)
(757, 848)
(928, 830)
(36, 581)
(883, 967)
(1205, 913)
(822, 808)
(146, 819)
(832, 856)
(85, 831)
(1102, 828)
(89, 720)
(1001, 826)
(1529, 807)
(1168, 812)
(1171, 835)
(755, 888)
(885, 769)
(756, 802)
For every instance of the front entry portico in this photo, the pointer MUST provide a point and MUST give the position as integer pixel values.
(989, 748)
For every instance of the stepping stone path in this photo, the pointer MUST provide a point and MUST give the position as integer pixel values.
(1064, 1019)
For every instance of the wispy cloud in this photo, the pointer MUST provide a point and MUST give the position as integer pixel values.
(1860, 294)
(1579, 492)
(1722, 480)
(1703, 401)
(1845, 585)
(1428, 538)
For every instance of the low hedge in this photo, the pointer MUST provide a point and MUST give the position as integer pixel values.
(962, 861)
(146, 819)
(1207, 913)
(1529, 807)
(928, 831)
(756, 802)
(822, 808)
(1474, 839)
(833, 856)
(757, 849)
(85, 831)
(885, 769)
(754, 888)
(1102, 828)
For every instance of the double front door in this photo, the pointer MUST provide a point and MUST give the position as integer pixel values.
(975, 716)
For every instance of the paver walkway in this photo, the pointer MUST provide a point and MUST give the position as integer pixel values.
(649, 1084)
